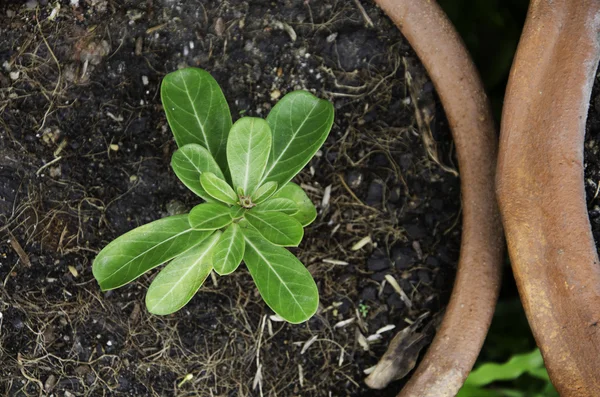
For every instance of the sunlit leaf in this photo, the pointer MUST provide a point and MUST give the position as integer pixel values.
(307, 212)
(189, 162)
(276, 227)
(217, 188)
(264, 192)
(179, 281)
(197, 111)
(141, 249)
(300, 123)
(282, 280)
(284, 205)
(247, 152)
(210, 216)
(229, 252)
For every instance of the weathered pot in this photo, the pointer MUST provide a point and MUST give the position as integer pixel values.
(540, 188)
(468, 315)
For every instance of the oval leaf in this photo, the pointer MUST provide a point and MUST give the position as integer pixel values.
(264, 192)
(197, 111)
(141, 249)
(278, 228)
(248, 149)
(307, 212)
(191, 161)
(229, 251)
(179, 281)
(210, 216)
(284, 205)
(237, 212)
(282, 280)
(217, 188)
(300, 123)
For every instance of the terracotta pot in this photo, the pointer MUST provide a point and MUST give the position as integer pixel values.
(468, 315)
(541, 188)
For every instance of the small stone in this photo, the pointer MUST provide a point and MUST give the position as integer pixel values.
(354, 179)
(219, 27)
(331, 38)
(369, 294)
(145, 80)
(375, 193)
(14, 75)
(275, 94)
(114, 147)
(133, 178)
(376, 264)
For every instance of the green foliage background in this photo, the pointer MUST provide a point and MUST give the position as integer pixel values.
(491, 31)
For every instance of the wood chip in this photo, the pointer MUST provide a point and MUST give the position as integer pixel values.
(73, 271)
(335, 262)
(361, 243)
(19, 250)
(308, 343)
(344, 323)
(276, 318)
(326, 197)
(388, 327)
(390, 279)
(362, 341)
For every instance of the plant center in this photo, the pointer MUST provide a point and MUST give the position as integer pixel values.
(246, 202)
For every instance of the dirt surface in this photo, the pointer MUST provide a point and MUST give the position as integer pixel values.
(592, 160)
(84, 157)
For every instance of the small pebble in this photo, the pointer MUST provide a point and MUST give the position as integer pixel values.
(145, 80)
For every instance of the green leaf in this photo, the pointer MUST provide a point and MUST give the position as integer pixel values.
(512, 369)
(264, 192)
(179, 281)
(191, 161)
(217, 188)
(197, 111)
(210, 216)
(237, 212)
(307, 212)
(300, 123)
(229, 252)
(141, 249)
(278, 228)
(282, 280)
(248, 149)
(284, 205)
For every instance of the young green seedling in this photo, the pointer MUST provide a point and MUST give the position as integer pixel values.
(252, 210)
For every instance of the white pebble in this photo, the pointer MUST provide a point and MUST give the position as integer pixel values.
(145, 80)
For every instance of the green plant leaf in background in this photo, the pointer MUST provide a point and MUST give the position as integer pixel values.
(179, 281)
(229, 251)
(531, 364)
(141, 249)
(210, 216)
(278, 228)
(191, 161)
(197, 111)
(264, 192)
(307, 212)
(284, 205)
(247, 152)
(282, 280)
(300, 123)
(217, 188)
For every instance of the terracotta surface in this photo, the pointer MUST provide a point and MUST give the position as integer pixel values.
(468, 315)
(541, 188)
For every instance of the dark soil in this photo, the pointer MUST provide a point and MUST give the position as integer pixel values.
(84, 157)
(592, 160)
